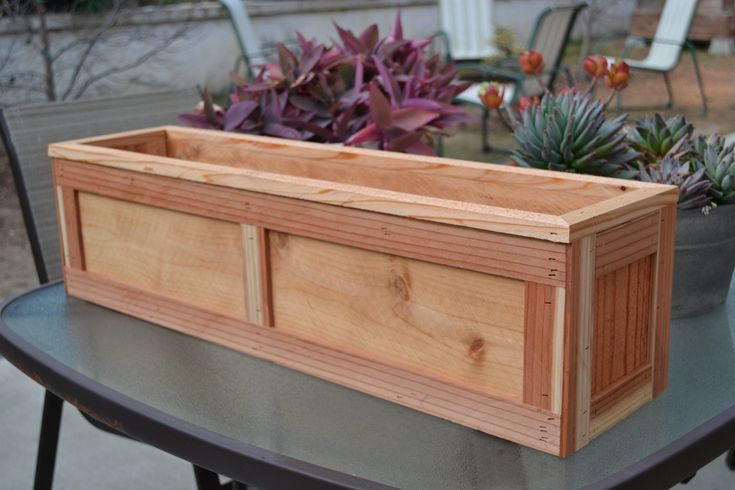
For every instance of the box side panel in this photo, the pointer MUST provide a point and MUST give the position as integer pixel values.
(462, 326)
(622, 332)
(494, 253)
(625, 315)
(192, 258)
(529, 426)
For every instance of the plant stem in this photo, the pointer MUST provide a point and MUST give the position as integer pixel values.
(504, 120)
(590, 87)
(609, 98)
(541, 83)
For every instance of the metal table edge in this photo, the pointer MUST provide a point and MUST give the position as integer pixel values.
(221, 454)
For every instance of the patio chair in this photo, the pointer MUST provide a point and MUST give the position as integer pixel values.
(550, 37)
(666, 46)
(251, 53)
(467, 29)
(26, 132)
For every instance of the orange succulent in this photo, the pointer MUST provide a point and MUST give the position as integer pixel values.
(491, 94)
(595, 66)
(532, 62)
(618, 75)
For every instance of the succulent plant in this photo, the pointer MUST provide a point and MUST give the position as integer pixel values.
(569, 132)
(382, 93)
(694, 188)
(654, 137)
(717, 159)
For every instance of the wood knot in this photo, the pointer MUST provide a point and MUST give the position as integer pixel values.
(401, 287)
(477, 349)
(279, 240)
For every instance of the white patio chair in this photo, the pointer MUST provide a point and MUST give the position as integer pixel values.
(667, 45)
(467, 29)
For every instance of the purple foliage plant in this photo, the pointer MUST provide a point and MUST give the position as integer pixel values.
(362, 91)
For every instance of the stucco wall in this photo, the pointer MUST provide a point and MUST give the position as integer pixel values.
(205, 53)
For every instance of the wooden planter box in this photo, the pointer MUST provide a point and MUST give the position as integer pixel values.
(528, 304)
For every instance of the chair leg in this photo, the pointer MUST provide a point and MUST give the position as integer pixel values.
(205, 479)
(698, 72)
(730, 459)
(669, 92)
(485, 117)
(48, 442)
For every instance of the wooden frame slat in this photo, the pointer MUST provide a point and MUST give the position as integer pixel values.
(517, 257)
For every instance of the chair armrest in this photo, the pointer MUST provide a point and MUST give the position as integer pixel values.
(490, 72)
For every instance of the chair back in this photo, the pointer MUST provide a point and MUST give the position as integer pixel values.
(250, 46)
(468, 27)
(671, 33)
(550, 37)
(27, 132)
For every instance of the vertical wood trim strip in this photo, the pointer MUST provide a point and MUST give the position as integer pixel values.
(61, 218)
(251, 246)
(265, 277)
(557, 358)
(538, 344)
(575, 411)
(584, 312)
(662, 301)
(70, 226)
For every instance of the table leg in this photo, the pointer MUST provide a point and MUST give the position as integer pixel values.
(206, 480)
(48, 442)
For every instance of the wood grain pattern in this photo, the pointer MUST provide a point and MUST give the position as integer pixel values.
(627, 243)
(254, 274)
(664, 279)
(67, 209)
(391, 173)
(622, 334)
(618, 210)
(529, 426)
(493, 253)
(183, 256)
(151, 143)
(621, 400)
(538, 357)
(584, 304)
(423, 188)
(265, 276)
(461, 326)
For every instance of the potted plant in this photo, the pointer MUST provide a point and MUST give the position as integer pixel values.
(362, 91)
(568, 131)
(704, 170)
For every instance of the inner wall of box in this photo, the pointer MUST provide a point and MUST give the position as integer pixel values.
(498, 335)
(533, 193)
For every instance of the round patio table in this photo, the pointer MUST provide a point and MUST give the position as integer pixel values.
(263, 424)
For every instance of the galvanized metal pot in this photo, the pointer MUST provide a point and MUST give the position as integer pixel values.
(704, 260)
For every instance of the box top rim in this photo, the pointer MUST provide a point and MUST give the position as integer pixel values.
(637, 198)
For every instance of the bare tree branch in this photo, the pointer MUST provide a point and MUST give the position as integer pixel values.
(137, 62)
(111, 20)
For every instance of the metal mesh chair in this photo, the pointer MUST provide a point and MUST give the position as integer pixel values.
(668, 42)
(550, 37)
(26, 133)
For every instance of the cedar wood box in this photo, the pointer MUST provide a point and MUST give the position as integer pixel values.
(531, 305)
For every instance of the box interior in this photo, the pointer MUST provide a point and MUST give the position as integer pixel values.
(484, 184)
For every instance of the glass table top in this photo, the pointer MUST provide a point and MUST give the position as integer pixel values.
(318, 422)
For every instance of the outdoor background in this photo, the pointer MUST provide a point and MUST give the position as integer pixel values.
(115, 47)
